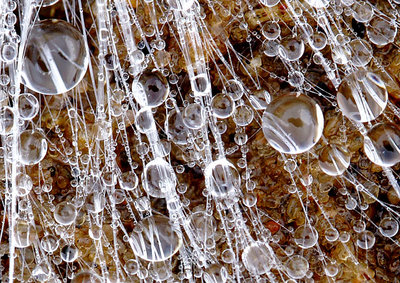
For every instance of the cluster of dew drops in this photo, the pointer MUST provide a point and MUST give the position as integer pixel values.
(117, 81)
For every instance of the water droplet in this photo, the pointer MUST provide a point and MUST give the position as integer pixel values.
(362, 96)
(28, 106)
(155, 240)
(65, 213)
(296, 267)
(334, 159)
(255, 256)
(293, 124)
(222, 179)
(55, 59)
(382, 144)
(159, 178)
(33, 147)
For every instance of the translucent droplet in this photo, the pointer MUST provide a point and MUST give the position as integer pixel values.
(180, 5)
(293, 124)
(23, 184)
(128, 181)
(131, 267)
(382, 144)
(204, 225)
(271, 30)
(8, 52)
(69, 253)
(194, 116)
(362, 96)
(331, 234)
(363, 11)
(176, 128)
(292, 49)
(24, 233)
(361, 52)
(318, 40)
(381, 31)
(159, 178)
(144, 120)
(389, 227)
(86, 277)
(222, 106)
(222, 179)
(306, 236)
(365, 240)
(55, 59)
(234, 89)
(334, 159)
(65, 213)
(215, 273)
(243, 115)
(151, 90)
(28, 106)
(155, 240)
(6, 120)
(41, 272)
(49, 243)
(33, 147)
(256, 258)
(296, 267)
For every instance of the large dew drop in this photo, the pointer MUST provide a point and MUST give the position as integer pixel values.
(362, 96)
(222, 179)
(55, 59)
(256, 258)
(382, 144)
(159, 178)
(293, 124)
(154, 239)
(33, 147)
(334, 159)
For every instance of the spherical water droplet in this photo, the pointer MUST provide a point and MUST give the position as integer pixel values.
(24, 184)
(69, 253)
(128, 181)
(256, 257)
(293, 124)
(28, 106)
(41, 272)
(292, 49)
(361, 52)
(24, 233)
(381, 31)
(49, 243)
(334, 159)
(65, 213)
(131, 267)
(175, 127)
(382, 144)
(243, 115)
(144, 120)
(159, 178)
(86, 277)
(296, 267)
(194, 116)
(318, 40)
(8, 52)
(55, 59)
(271, 30)
(234, 89)
(222, 179)
(222, 106)
(151, 90)
(305, 236)
(365, 240)
(362, 96)
(389, 227)
(363, 12)
(6, 120)
(331, 234)
(155, 240)
(204, 225)
(33, 147)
